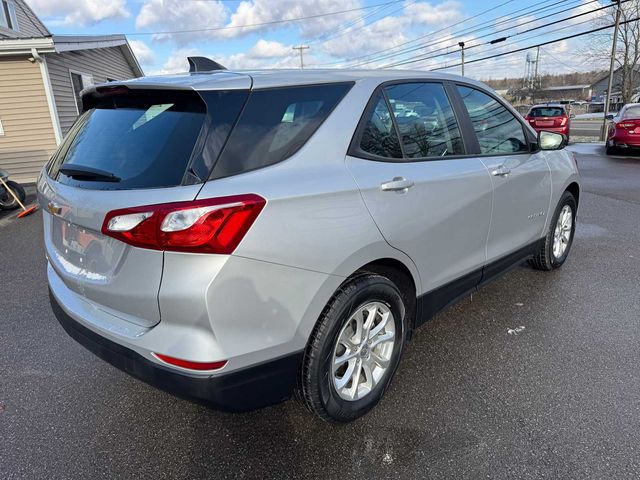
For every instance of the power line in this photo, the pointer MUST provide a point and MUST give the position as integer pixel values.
(494, 32)
(430, 34)
(524, 12)
(568, 37)
(430, 55)
(260, 24)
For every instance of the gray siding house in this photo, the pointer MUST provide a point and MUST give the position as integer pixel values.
(41, 76)
(599, 88)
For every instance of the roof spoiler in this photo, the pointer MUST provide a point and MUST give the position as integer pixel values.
(203, 64)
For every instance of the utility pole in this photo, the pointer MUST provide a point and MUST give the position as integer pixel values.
(603, 132)
(300, 48)
(461, 45)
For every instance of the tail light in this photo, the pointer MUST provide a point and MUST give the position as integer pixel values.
(625, 125)
(214, 225)
(563, 120)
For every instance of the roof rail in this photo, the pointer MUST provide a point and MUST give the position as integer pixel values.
(203, 64)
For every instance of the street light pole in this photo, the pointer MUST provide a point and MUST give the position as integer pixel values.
(461, 45)
(603, 133)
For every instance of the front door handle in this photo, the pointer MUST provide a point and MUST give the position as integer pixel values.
(398, 184)
(501, 171)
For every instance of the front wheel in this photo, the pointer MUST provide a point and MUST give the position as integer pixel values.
(554, 247)
(7, 202)
(354, 349)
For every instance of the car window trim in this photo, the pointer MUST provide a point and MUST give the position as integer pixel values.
(526, 129)
(354, 149)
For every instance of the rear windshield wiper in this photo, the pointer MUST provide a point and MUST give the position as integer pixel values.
(82, 172)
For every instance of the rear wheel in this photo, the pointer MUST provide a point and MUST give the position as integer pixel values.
(7, 202)
(554, 247)
(354, 349)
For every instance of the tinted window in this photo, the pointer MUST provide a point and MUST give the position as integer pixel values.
(145, 139)
(274, 124)
(498, 131)
(379, 135)
(632, 112)
(546, 112)
(425, 120)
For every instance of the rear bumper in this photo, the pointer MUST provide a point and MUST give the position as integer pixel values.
(241, 390)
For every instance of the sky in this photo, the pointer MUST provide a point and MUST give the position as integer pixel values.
(411, 34)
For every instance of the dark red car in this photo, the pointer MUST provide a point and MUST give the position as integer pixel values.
(550, 118)
(624, 128)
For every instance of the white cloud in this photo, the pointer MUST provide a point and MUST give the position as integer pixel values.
(143, 52)
(264, 54)
(269, 49)
(207, 17)
(79, 12)
(172, 15)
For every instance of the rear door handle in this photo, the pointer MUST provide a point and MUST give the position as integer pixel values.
(398, 184)
(501, 171)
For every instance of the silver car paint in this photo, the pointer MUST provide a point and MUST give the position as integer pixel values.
(317, 228)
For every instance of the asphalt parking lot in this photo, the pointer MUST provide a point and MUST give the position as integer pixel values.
(475, 396)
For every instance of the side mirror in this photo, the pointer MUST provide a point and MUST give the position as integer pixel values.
(609, 117)
(551, 141)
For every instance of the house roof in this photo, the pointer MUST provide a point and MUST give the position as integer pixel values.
(565, 87)
(70, 43)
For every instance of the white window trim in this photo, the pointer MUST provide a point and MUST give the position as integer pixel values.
(83, 75)
(13, 18)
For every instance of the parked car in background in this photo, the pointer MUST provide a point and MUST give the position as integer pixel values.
(550, 118)
(235, 236)
(624, 128)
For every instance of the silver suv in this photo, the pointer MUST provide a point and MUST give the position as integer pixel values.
(234, 237)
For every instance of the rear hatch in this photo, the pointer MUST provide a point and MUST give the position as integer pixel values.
(130, 147)
(547, 117)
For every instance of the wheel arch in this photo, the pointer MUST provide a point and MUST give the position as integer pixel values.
(574, 189)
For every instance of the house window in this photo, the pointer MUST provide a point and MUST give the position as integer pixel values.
(8, 15)
(80, 81)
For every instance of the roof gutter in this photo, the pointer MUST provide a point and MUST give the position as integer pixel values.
(25, 46)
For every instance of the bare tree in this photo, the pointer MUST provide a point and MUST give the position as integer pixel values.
(628, 46)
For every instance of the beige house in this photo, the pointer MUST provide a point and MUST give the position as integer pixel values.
(41, 76)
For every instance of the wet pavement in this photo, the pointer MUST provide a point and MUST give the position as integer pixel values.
(536, 376)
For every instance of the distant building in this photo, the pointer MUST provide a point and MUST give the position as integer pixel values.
(565, 92)
(599, 88)
(41, 76)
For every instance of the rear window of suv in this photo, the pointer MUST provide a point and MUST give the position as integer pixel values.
(546, 112)
(146, 138)
(276, 123)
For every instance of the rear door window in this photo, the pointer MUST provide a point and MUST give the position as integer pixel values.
(546, 112)
(425, 119)
(276, 123)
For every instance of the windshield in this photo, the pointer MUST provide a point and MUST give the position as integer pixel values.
(632, 112)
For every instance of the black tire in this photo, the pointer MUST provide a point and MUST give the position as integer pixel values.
(316, 388)
(7, 202)
(544, 259)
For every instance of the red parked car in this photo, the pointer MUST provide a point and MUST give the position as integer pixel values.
(550, 118)
(624, 129)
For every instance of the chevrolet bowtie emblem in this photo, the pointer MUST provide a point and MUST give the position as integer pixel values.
(54, 209)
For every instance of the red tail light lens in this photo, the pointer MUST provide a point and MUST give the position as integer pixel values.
(563, 121)
(625, 125)
(200, 366)
(214, 225)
